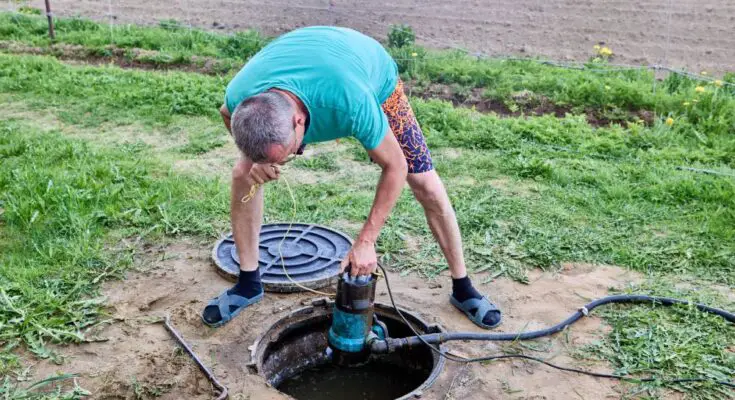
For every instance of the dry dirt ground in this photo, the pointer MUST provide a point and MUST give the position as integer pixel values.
(697, 35)
(138, 359)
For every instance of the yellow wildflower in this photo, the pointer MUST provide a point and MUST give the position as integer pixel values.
(414, 54)
(704, 73)
(718, 83)
(669, 121)
(596, 47)
(699, 89)
(606, 52)
(685, 104)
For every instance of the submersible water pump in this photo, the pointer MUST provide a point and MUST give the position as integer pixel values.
(352, 320)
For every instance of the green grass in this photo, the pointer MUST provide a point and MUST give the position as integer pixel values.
(704, 115)
(528, 192)
(609, 195)
(204, 141)
(318, 162)
(92, 96)
(175, 41)
(671, 342)
(62, 200)
(700, 108)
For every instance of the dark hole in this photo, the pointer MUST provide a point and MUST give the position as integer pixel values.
(295, 363)
(377, 380)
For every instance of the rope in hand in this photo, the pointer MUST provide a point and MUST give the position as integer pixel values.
(249, 196)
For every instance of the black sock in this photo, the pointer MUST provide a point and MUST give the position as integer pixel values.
(248, 285)
(462, 290)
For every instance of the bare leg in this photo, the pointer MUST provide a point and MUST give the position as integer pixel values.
(430, 192)
(246, 218)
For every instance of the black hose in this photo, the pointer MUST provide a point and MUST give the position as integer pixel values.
(391, 344)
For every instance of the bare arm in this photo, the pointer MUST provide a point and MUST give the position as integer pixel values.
(389, 156)
(246, 217)
(391, 159)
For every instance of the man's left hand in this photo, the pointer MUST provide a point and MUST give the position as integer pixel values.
(361, 259)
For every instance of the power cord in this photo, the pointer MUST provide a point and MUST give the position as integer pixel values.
(249, 196)
(461, 359)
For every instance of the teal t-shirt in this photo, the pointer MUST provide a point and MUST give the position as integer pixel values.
(342, 76)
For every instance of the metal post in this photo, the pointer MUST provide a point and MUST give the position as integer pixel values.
(51, 33)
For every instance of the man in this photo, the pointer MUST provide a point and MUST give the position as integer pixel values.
(323, 83)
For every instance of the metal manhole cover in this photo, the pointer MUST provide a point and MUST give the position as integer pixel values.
(311, 254)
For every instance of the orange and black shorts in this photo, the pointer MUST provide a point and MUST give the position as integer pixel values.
(406, 128)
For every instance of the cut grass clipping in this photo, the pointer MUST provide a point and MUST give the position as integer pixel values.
(672, 342)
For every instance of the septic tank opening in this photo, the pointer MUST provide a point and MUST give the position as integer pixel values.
(291, 356)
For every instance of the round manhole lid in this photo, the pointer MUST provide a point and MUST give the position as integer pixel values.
(311, 256)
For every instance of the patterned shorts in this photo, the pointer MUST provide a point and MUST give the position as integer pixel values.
(406, 128)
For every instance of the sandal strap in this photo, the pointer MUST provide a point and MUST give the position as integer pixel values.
(482, 306)
(225, 300)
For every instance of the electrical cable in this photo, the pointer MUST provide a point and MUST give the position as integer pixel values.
(280, 244)
(549, 331)
(249, 196)
(579, 314)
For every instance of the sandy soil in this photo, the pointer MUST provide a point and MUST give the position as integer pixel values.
(698, 35)
(136, 357)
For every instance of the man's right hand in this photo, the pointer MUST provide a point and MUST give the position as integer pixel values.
(262, 173)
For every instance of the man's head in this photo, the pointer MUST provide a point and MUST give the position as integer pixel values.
(268, 127)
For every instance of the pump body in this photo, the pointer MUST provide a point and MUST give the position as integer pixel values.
(352, 320)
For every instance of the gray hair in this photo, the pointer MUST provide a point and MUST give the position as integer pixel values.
(261, 121)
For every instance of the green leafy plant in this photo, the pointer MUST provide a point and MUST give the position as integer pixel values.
(242, 45)
(401, 36)
(409, 59)
(29, 10)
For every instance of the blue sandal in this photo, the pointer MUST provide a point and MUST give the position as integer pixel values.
(481, 306)
(224, 301)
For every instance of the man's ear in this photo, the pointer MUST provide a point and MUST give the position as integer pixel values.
(299, 119)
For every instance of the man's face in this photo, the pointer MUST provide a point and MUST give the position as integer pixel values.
(278, 154)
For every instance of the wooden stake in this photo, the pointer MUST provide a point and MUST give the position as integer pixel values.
(51, 32)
